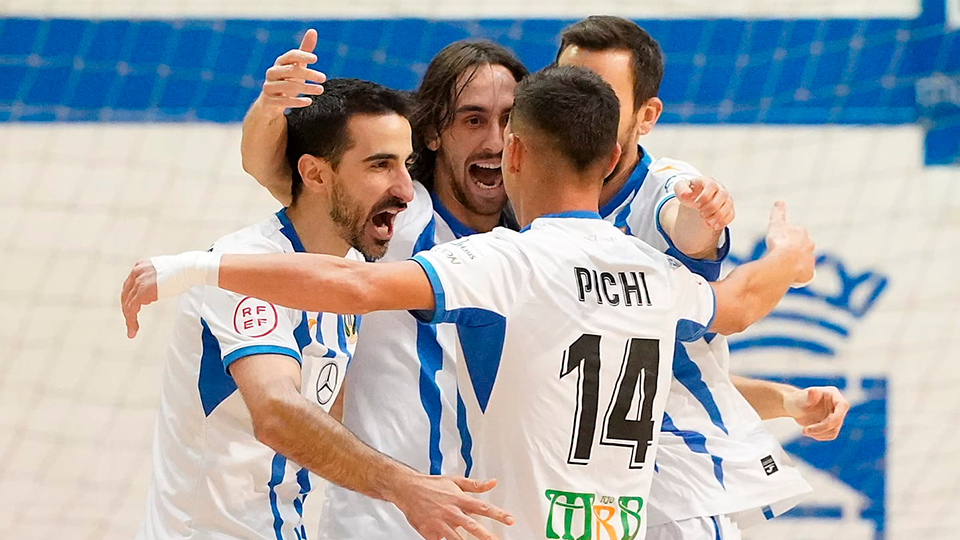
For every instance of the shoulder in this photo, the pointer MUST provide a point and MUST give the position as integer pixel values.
(262, 237)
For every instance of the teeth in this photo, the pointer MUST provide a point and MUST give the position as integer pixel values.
(490, 166)
(484, 186)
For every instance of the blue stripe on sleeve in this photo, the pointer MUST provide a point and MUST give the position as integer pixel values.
(439, 313)
(709, 269)
(252, 350)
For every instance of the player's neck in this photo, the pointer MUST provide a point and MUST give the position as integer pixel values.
(625, 167)
(317, 232)
(556, 193)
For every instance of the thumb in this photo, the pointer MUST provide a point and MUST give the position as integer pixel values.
(686, 191)
(309, 42)
(778, 215)
(474, 486)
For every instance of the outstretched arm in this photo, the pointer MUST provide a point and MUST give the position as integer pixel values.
(263, 145)
(294, 280)
(820, 410)
(752, 290)
(303, 432)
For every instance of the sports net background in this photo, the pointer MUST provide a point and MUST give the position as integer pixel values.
(118, 140)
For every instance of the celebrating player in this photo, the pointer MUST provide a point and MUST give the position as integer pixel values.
(718, 468)
(243, 414)
(401, 395)
(569, 290)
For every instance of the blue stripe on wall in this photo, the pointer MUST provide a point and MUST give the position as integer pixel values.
(718, 71)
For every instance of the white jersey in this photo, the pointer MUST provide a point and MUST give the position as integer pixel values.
(212, 479)
(401, 393)
(715, 456)
(565, 397)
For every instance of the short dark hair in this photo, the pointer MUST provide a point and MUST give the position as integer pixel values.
(320, 129)
(575, 110)
(436, 98)
(606, 32)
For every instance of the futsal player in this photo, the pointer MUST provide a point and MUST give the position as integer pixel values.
(401, 393)
(718, 467)
(243, 418)
(569, 291)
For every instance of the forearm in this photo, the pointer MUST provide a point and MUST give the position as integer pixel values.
(766, 397)
(263, 150)
(297, 280)
(313, 439)
(688, 231)
(752, 290)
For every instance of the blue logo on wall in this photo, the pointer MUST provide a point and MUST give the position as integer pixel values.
(817, 320)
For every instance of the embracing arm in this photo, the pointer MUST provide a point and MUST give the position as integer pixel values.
(304, 433)
(752, 290)
(263, 144)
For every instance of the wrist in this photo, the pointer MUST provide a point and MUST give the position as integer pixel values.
(395, 483)
(178, 273)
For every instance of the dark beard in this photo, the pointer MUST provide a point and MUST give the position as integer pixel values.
(346, 215)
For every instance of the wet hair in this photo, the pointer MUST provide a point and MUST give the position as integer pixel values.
(572, 109)
(605, 32)
(435, 100)
(320, 129)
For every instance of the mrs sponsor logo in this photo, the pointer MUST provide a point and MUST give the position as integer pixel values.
(587, 516)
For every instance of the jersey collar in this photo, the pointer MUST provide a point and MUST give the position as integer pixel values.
(632, 186)
(286, 228)
(459, 229)
(580, 214)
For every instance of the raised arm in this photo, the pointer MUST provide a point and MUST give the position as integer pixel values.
(820, 410)
(303, 432)
(295, 280)
(264, 141)
(695, 218)
(752, 290)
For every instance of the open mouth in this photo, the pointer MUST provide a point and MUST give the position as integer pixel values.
(487, 176)
(383, 223)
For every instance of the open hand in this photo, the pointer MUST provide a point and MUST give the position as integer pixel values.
(436, 506)
(139, 289)
(289, 77)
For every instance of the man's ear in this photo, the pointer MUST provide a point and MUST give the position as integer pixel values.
(613, 160)
(433, 139)
(648, 115)
(316, 173)
(513, 148)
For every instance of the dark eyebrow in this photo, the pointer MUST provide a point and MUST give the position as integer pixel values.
(379, 157)
(470, 108)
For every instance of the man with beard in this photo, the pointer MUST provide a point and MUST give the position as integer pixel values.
(569, 291)
(243, 418)
(401, 394)
(718, 469)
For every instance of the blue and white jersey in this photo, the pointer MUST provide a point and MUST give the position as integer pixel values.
(715, 456)
(401, 393)
(575, 324)
(212, 479)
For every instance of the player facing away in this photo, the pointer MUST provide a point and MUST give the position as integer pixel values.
(401, 393)
(578, 319)
(718, 469)
(243, 424)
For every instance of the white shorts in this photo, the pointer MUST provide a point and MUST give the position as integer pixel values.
(701, 528)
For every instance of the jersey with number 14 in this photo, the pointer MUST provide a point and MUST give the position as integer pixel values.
(565, 400)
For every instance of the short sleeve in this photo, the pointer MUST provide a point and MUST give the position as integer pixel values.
(480, 273)
(245, 326)
(695, 302)
(667, 173)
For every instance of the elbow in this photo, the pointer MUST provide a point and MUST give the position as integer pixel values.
(269, 424)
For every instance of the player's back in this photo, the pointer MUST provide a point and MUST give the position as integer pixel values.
(565, 401)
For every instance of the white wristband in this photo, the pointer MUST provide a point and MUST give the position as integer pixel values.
(176, 274)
